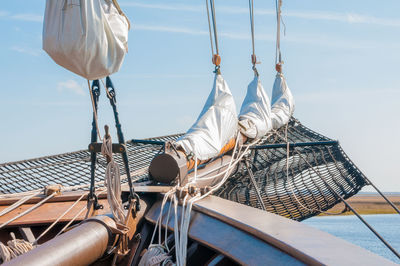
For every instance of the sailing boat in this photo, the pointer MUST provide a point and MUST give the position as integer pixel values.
(164, 212)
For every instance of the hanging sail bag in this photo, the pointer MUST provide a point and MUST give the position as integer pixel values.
(87, 37)
(215, 126)
(255, 113)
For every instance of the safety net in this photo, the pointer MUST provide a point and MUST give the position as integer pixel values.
(319, 170)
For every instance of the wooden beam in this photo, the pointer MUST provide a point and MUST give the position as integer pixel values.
(26, 233)
(49, 212)
(65, 196)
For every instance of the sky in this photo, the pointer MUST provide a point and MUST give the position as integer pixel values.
(341, 63)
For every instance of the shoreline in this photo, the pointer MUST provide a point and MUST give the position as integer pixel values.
(367, 204)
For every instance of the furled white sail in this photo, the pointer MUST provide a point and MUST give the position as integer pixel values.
(255, 113)
(282, 102)
(89, 38)
(215, 126)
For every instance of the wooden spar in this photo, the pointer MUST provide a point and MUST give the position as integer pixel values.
(81, 245)
(174, 164)
(88, 241)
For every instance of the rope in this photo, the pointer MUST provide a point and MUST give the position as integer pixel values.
(290, 184)
(257, 189)
(253, 56)
(19, 203)
(181, 234)
(278, 56)
(113, 181)
(209, 29)
(58, 219)
(181, 229)
(14, 248)
(216, 59)
(77, 215)
(121, 13)
(28, 210)
(212, 5)
(251, 10)
(356, 213)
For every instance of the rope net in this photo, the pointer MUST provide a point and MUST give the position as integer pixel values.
(73, 169)
(316, 172)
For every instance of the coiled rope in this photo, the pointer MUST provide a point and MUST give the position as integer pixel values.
(14, 248)
(113, 181)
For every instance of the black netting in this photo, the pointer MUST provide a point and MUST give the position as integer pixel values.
(316, 173)
(70, 169)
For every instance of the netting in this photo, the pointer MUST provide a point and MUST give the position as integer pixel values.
(318, 169)
(73, 169)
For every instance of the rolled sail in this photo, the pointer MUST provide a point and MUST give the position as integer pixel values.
(255, 113)
(215, 126)
(282, 102)
(211, 135)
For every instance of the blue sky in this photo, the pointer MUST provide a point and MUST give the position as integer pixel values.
(341, 63)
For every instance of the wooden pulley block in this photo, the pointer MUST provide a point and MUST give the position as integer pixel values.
(50, 189)
(278, 67)
(253, 59)
(216, 59)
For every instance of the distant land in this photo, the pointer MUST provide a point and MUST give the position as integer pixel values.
(369, 203)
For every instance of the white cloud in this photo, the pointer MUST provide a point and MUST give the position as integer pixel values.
(28, 17)
(351, 18)
(26, 50)
(230, 35)
(70, 85)
(170, 29)
(23, 17)
(313, 40)
(164, 7)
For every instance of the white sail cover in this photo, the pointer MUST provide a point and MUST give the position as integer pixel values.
(215, 126)
(87, 37)
(255, 113)
(282, 102)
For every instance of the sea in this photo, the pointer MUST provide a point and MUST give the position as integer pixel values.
(351, 229)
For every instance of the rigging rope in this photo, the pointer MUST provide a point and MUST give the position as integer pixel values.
(209, 29)
(29, 210)
(19, 203)
(181, 229)
(278, 56)
(58, 219)
(113, 181)
(216, 59)
(290, 183)
(253, 56)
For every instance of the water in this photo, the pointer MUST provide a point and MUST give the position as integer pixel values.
(350, 228)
